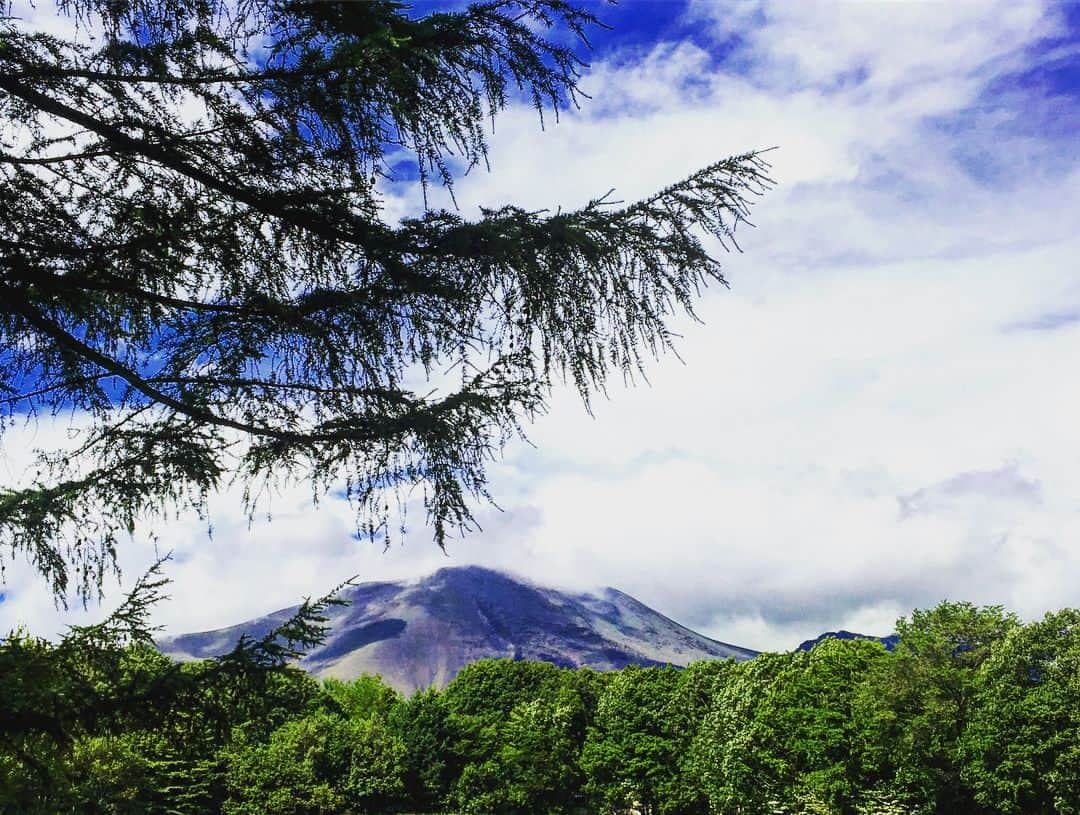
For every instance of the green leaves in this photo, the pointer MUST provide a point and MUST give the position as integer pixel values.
(630, 753)
(516, 731)
(1021, 746)
(321, 764)
(99, 720)
(915, 707)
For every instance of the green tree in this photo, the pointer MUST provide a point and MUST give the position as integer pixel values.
(630, 755)
(698, 685)
(539, 755)
(194, 254)
(364, 697)
(321, 764)
(914, 707)
(141, 772)
(735, 765)
(90, 683)
(421, 724)
(84, 719)
(115, 775)
(530, 765)
(493, 687)
(516, 734)
(1022, 743)
(806, 723)
(32, 734)
(780, 734)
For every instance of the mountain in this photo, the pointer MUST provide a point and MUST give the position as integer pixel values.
(889, 642)
(421, 633)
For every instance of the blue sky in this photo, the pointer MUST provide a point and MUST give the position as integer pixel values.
(881, 411)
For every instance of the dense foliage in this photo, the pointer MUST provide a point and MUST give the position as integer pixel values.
(973, 713)
(195, 257)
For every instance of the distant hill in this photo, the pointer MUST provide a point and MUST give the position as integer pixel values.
(421, 633)
(889, 642)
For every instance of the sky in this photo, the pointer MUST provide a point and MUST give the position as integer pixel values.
(882, 411)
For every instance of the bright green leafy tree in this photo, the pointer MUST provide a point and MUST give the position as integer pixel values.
(805, 724)
(499, 762)
(630, 755)
(690, 702)
(732, 761)
(364, 697)
(421, 724)
(914, 707)
(1022, 742)
(321, 764)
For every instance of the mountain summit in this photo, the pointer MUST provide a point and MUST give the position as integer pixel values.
(421, 633)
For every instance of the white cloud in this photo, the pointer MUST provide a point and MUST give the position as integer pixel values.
(889, 47)
(890, 337)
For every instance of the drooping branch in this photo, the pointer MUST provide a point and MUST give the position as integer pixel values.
(197, 240)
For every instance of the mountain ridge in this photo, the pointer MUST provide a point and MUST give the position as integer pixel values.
(421, 632)
(888, 641)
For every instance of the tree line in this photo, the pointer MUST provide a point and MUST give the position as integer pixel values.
(973, 712)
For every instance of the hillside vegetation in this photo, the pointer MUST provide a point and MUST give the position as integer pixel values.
(974, 712)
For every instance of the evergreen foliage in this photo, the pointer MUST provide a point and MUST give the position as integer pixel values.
(194, 254)
(129, 721)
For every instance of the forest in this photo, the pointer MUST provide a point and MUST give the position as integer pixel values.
(973, 712)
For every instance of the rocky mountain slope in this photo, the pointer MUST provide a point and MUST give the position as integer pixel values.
(421, 633)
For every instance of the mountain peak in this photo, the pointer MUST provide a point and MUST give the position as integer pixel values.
(421, 633)
(472, 573)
